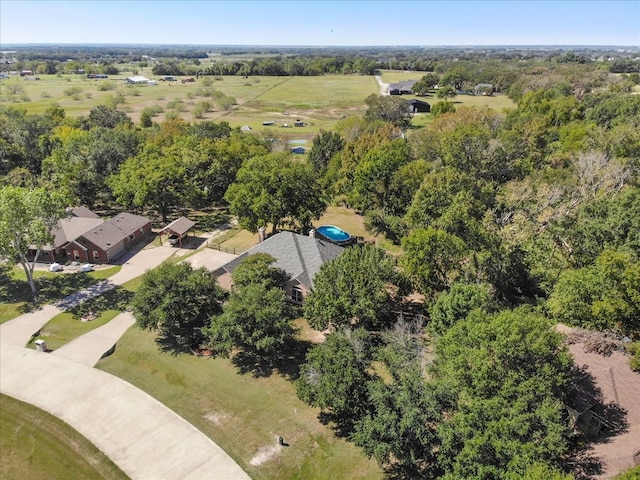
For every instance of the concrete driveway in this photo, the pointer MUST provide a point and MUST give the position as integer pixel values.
(143, 437)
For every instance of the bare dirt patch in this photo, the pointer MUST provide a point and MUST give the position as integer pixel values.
(217, 418)
(266, 453)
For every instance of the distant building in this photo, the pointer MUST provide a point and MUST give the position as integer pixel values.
(402, 88)
(418, 106)
(137, 80)
(298, 150)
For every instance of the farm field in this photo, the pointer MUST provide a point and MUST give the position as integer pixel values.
(318, 102)
(39, 446)
(244, 414)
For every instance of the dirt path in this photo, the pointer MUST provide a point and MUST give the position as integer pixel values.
(384, 87)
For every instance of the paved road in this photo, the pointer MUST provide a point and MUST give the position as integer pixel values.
(143, 437)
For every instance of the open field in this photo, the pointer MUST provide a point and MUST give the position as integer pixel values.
(319, 102)
(38, 446)
(240, 412)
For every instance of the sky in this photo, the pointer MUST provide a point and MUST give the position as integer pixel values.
(322, 22)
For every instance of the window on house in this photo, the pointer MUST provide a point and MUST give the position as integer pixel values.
(296, 294)
(76, 255)
(96, 255)
(141, 231)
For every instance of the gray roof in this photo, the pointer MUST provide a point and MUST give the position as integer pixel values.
(298, 255)
(180, 226)
(71, 228)
(83, 212)
(128, 222)
(403, 85)
(103, 233)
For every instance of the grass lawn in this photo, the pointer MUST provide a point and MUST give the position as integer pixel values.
(240, 412)
(15, 294)
(68, 325)
(38, 446)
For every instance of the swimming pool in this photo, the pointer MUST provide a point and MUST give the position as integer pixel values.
(334, 234)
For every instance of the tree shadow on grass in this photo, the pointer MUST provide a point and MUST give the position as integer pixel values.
(115, 299)
(287, 362)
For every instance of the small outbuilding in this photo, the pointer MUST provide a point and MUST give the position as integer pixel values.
(137, 80)
(177, 230)
(418, 106)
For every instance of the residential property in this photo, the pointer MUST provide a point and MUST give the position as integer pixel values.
(402, 88)
(301, 256)
(298, 150)
(418, 106)
(85, 237)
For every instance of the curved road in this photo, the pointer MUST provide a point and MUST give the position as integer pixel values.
(143, 437)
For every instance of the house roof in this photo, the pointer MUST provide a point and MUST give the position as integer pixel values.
(103, 233)
(298, 255)
(413, 101)
(180, 226)
(83, 212)
(71, 228)
(403, 85)
(128, 222)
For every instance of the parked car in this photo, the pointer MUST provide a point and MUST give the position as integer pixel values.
(174, 239)
(55, 267)
(87, 267)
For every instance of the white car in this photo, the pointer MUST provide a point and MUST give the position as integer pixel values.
(55, 267)
(87, 267)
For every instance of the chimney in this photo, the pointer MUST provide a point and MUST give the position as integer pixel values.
(312, 233)
(261, 231)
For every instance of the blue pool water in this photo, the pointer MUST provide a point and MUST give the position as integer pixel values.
(334, 234)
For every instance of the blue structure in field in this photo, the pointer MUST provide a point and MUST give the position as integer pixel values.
(334, 234)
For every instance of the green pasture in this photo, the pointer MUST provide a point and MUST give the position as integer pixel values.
(39, 446)
(242, 413)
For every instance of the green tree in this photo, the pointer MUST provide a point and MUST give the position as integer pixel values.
(374, 174)
(152, 178)
(27, 221)
(432, 259)
(401, 427)
(334, 377)
(600, 296)
(352, 289)
(258, 268)
(177, 302)
(256, 319)
(455, 304)
(510, 372)
(426, 84)
(107, 117)
(325, 145)
(441, 108)
(391, 109)
(446, 92)
(275, 189)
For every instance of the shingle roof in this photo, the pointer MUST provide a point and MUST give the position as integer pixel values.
(298, 255)
(180, 226)
(128, 222)
(71, 228)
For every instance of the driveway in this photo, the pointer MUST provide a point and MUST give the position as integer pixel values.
(20, 330)
(89, 348)
(143, 437)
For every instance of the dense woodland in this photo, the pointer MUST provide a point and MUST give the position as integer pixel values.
(507, 223)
